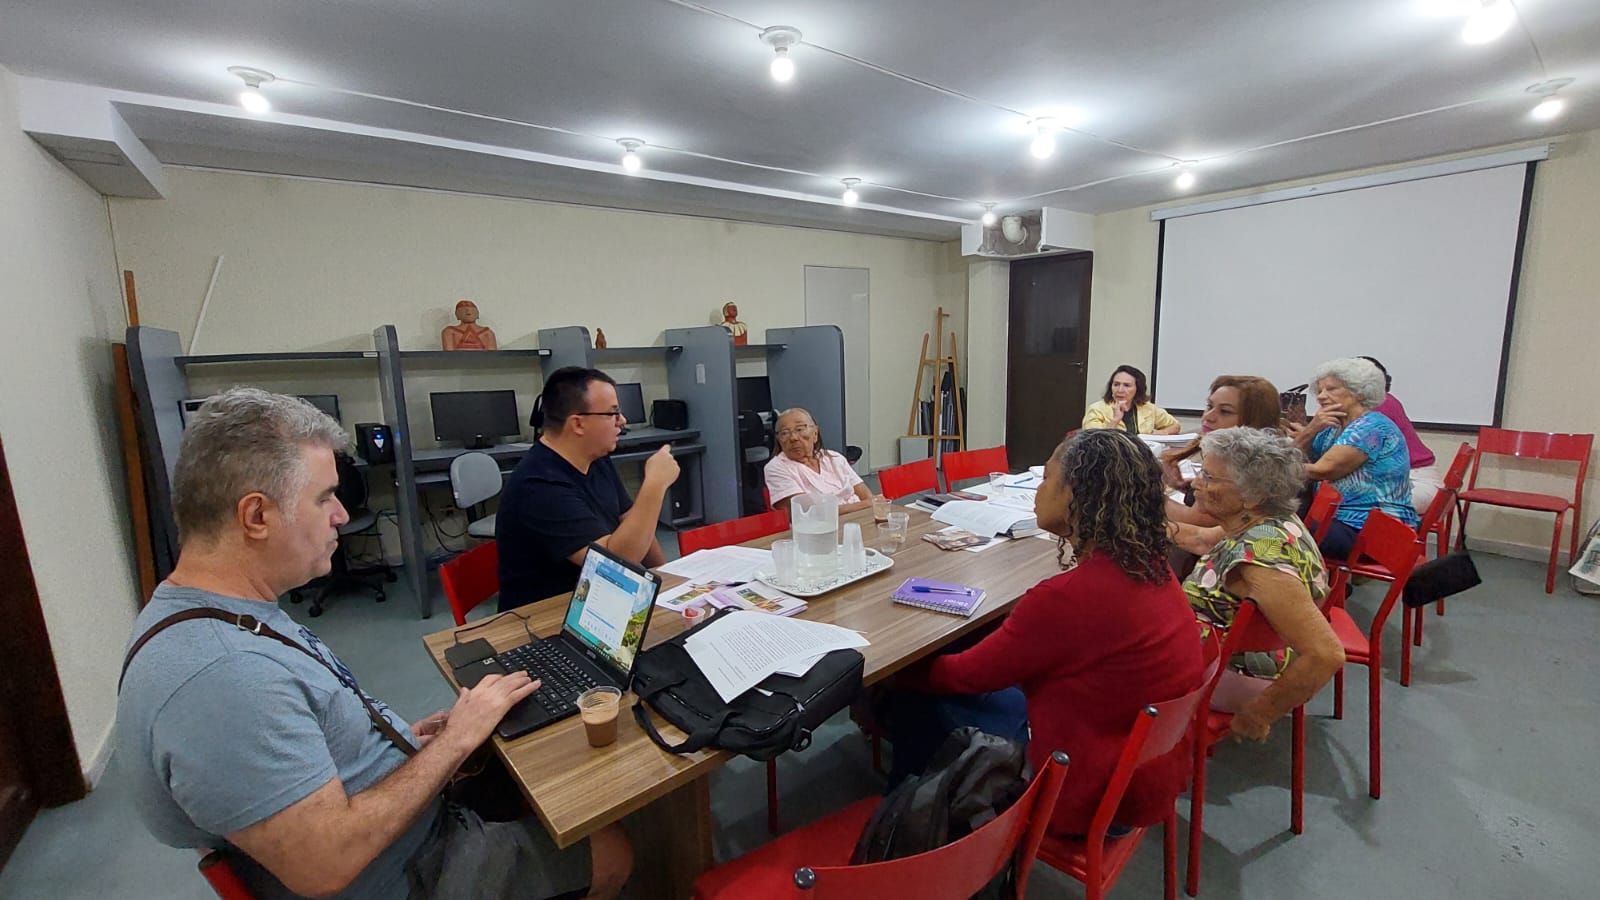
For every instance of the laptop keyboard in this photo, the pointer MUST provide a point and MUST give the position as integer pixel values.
(562, 680)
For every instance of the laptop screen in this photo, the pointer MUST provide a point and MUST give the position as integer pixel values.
(610, 607)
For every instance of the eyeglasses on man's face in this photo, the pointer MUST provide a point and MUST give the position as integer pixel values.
(796, 431)
(615, 415)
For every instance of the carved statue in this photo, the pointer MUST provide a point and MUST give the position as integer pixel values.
(468, 335)
(599, 339)
(730, 321)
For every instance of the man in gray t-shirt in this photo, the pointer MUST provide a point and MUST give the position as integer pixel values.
(234, 739)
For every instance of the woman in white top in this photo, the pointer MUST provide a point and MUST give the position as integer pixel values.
(804, 467)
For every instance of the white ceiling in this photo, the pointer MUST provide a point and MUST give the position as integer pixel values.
(916, 97)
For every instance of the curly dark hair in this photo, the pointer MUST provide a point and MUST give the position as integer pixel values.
(1118, 505)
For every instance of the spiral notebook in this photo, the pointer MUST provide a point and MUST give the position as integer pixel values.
(939, 596)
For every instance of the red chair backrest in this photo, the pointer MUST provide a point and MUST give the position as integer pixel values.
(965, 464)
(223, 879)
(1323, 505)
(1392, 544)
(1434, 514)
(1536, 445)
(959, 869)
(910, 478)
(1249, 632)
(471, 578)
(1457, 474)
(732, 531)
(1156, 731)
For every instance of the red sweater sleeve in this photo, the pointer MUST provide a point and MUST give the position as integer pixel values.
(1025, 647)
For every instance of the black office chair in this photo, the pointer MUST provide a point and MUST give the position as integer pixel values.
(352, 492)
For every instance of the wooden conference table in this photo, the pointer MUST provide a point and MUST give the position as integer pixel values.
(576, 790)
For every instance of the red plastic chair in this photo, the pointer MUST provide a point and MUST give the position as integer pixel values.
(721, 535)
(733, 531)
(1250, 632)
(1410, 619)
(1156, 731)
(470, 579)
(1319, 518)
(219, 873)
(1393, 545)
(910, 478)
(1454, 478)
(1534, 445)
(966, 464)
(812, 861)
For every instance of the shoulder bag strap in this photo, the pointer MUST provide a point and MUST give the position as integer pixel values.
(245, 622)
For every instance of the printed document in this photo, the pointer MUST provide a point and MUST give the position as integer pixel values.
(739, 649)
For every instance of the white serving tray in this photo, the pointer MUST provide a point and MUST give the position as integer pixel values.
(876, 562)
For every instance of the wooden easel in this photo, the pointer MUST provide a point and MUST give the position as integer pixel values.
(936, 361)
(133, 453)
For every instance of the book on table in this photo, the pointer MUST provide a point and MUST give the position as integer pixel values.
(1007, 516)
(939, 596)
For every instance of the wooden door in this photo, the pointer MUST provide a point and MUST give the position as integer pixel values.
(1047, 355)
(42, 770)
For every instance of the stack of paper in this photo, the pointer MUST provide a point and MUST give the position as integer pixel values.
(1010, 516)
(724, 564)
(739, 649)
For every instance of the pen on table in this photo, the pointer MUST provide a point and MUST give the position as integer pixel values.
(925, 589)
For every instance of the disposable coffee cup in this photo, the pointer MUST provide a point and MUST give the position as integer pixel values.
(598, 707)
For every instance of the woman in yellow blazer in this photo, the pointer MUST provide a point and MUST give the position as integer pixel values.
(1126, 406)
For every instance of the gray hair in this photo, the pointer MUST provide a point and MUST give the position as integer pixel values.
(1266, 467)
(242, 441)
(1360, 376)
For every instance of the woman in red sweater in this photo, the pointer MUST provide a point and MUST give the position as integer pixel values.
(1088, 648)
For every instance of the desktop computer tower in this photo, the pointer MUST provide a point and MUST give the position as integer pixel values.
(679, 502)
(374, 442)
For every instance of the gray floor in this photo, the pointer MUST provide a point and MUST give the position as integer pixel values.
(1490, 762)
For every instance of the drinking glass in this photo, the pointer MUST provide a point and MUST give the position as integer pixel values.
(880, 508)
(784, 562)
(853, 552)
(892, 533)
(997, 483)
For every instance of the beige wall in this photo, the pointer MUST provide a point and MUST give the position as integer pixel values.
(63, 306)
(318, 265)
(1553, 366)
(988, 333)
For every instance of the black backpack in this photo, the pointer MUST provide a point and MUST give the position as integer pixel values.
(972, 778)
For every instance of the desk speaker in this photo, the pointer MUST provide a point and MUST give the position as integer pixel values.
(374, 442)
(670, 415)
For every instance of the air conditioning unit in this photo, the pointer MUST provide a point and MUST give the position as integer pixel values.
(1038, 232)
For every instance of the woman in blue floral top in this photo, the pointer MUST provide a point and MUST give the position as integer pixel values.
(1248, 481)
(1360, 451)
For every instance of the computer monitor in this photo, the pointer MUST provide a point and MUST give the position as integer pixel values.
(630, 400)
(755, 393)
(328, 403)
(475, 418)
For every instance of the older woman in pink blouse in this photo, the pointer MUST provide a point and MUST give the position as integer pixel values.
(804, 467)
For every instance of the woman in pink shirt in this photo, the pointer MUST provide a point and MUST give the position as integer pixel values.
(804, 467)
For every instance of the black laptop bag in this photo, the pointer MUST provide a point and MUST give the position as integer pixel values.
(754, 724)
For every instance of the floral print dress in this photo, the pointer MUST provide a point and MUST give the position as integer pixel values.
(1282, 544)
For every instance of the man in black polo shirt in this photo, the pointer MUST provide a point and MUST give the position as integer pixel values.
(565, 493)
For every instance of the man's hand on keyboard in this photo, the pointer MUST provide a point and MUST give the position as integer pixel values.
(480, 708)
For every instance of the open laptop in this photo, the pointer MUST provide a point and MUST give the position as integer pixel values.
(600, 637)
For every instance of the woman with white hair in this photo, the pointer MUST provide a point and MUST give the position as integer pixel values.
(1361, 451)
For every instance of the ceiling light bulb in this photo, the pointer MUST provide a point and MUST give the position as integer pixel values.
(1184, 181)
(782, 66)
(1044, 145)
(631, 162)
(1549, 108)
(780, 38)
(989, 218)
(254, 101)
(251, 97)
(1489, 22)
(850, 196)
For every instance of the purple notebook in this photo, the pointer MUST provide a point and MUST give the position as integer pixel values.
(939, 596)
